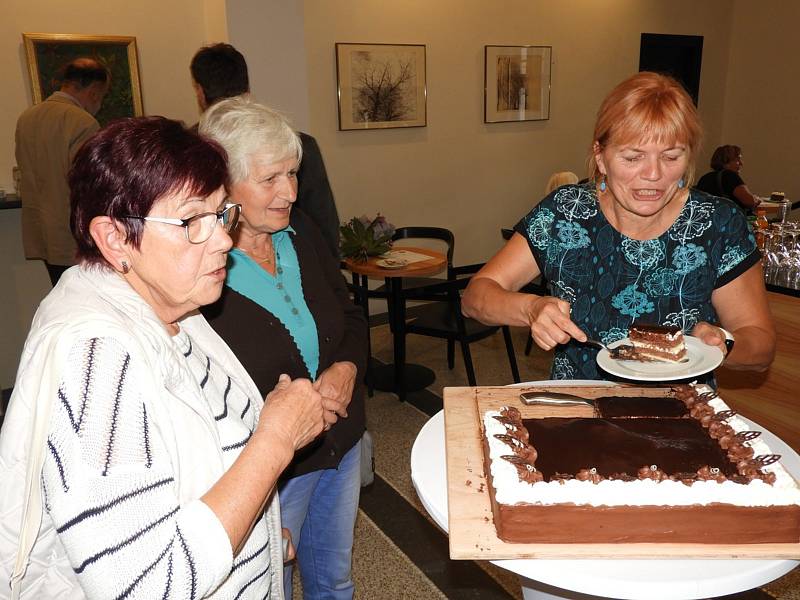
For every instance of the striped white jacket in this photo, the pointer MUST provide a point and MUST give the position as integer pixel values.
(96, 303)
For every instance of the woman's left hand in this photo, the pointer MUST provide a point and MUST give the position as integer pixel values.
(711, 335)
(289, 552)
(335, 384)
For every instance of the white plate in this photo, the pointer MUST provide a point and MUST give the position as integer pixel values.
(391, 263)
(702, 359)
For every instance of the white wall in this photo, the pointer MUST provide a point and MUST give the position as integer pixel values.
(762, 96)
(270, 34)
(459, 172)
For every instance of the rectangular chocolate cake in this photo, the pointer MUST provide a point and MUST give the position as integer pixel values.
(684, 470)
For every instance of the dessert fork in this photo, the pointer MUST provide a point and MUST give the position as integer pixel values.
(598, 343)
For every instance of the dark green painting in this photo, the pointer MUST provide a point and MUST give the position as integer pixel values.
(48, 53)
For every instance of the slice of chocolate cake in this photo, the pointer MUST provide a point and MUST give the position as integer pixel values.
(658, 342)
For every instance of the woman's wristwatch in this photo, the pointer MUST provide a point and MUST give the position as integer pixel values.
(729, 339)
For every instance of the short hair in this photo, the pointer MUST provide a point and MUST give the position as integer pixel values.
(650, 107)
(245, 129)
(723, 155)
(558, 179)
(130, 164)
(83, 72)
(221, 71)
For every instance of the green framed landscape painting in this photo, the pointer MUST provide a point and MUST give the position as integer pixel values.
(47, 53)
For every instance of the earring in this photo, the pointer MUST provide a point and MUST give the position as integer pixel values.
(603, 185)
(681, 183)
(125, 267)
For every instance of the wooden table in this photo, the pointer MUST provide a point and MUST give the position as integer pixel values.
(399, 377)
(771, 397)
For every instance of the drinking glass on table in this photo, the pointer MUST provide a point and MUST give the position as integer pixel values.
(771, 259)
(789, 268)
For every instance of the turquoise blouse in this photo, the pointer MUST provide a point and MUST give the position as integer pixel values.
(281, 294)
(613, 281)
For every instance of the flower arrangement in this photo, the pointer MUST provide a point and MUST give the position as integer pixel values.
(363, 237)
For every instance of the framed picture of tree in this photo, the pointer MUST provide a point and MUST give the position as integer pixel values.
(381, 86)
(47, 53)
(517, 83)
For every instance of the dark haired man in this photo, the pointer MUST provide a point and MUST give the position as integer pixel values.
(219, 71)
(47, 137)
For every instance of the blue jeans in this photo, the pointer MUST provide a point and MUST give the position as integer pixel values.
(319, 508)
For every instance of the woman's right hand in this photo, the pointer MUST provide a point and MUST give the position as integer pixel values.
(550, 322)
(292, 413)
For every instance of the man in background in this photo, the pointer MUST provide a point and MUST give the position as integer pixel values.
(48, 136)
(219, 71)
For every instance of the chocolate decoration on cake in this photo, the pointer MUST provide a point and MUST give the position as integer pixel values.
(514, 427)
(589, 475)
(768, 459)
(707, 473)
(685, 478)
(652, 472)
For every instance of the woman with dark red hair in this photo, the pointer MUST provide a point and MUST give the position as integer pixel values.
(137, 452)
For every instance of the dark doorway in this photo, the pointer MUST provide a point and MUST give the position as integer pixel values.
(677, 55)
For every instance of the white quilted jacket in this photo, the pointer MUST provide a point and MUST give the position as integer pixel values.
(91, 302)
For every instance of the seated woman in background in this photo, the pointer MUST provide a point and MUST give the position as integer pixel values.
(634, 245)
(558, 179)
(286, 309)
(153, 454)
(724, 179)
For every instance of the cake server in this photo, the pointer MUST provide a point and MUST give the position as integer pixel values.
(553, 399)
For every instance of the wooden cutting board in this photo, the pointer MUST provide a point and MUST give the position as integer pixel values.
(471, 525)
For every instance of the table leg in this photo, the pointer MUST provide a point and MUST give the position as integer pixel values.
(399, 317)
(400, 377)
(361, 284)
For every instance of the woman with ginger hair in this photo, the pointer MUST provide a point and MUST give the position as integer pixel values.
(633, 245)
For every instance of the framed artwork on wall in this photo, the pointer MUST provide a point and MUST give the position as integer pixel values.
(381, 86)
(47, 53)
(516, 83)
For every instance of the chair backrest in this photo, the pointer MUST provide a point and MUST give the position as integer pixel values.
(432, 233)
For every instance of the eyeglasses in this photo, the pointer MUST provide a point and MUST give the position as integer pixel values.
(200, 227)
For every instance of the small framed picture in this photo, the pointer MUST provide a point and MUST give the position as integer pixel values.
(381, 86)
(47, 53)
(517, 83)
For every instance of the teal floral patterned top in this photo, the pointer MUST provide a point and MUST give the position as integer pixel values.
(613, 281)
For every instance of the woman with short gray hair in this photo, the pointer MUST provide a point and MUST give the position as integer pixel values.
(285, 309)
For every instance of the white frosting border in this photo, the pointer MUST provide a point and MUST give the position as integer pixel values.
(509, 489)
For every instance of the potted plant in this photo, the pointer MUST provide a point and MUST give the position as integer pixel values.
(363, 237)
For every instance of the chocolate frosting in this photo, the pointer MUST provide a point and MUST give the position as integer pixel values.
(570, 445)
(628, 407)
